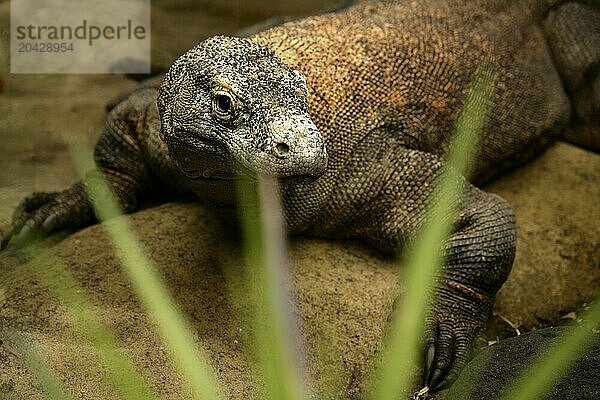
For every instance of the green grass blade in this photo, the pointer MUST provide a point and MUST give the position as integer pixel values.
(266, 264)
(190, 360)
(539, 377)
(120, 371)
(393, 375)
(49, 384)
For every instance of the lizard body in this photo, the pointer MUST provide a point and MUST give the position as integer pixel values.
(354, 111)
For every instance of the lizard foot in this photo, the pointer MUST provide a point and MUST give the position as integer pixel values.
(449, 339)
(42, 213)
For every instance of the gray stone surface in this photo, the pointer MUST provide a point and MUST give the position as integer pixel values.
(493, 370)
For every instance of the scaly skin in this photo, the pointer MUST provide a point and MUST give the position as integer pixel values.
(354, 111)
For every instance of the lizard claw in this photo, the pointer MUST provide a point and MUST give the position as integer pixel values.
(28, 218)
(41, 214)
(439, 355)
(449, 341)
(21, 217)
(429, 357)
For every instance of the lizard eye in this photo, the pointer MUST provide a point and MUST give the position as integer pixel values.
(223, 105)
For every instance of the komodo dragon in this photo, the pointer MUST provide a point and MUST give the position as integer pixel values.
(353, 111)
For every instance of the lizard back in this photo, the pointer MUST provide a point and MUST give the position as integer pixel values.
(405, 67)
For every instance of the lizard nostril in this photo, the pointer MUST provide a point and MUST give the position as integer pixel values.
(282, 149)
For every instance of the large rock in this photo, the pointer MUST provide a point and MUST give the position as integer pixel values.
(344, 291)
(557, 267)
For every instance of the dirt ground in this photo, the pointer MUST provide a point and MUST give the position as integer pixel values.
(344, 290)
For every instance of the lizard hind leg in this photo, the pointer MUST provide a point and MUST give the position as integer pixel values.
(572, 30)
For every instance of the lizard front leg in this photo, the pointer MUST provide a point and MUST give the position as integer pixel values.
(385, 201)
(478, 257)
(119, 160)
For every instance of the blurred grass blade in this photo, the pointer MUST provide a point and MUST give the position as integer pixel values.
(49, 384)
(541, 375)
(267, 269)
(191, 362)
(393, 375)
(120, 371)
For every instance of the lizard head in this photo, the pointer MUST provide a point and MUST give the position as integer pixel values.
(231, 105)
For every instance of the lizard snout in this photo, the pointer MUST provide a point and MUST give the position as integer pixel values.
(297, 147)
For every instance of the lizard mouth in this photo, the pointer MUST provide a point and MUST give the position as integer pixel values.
(204, 159)
(201, 158)
(209, 174)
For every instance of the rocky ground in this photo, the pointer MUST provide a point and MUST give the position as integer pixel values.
(344, 289)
